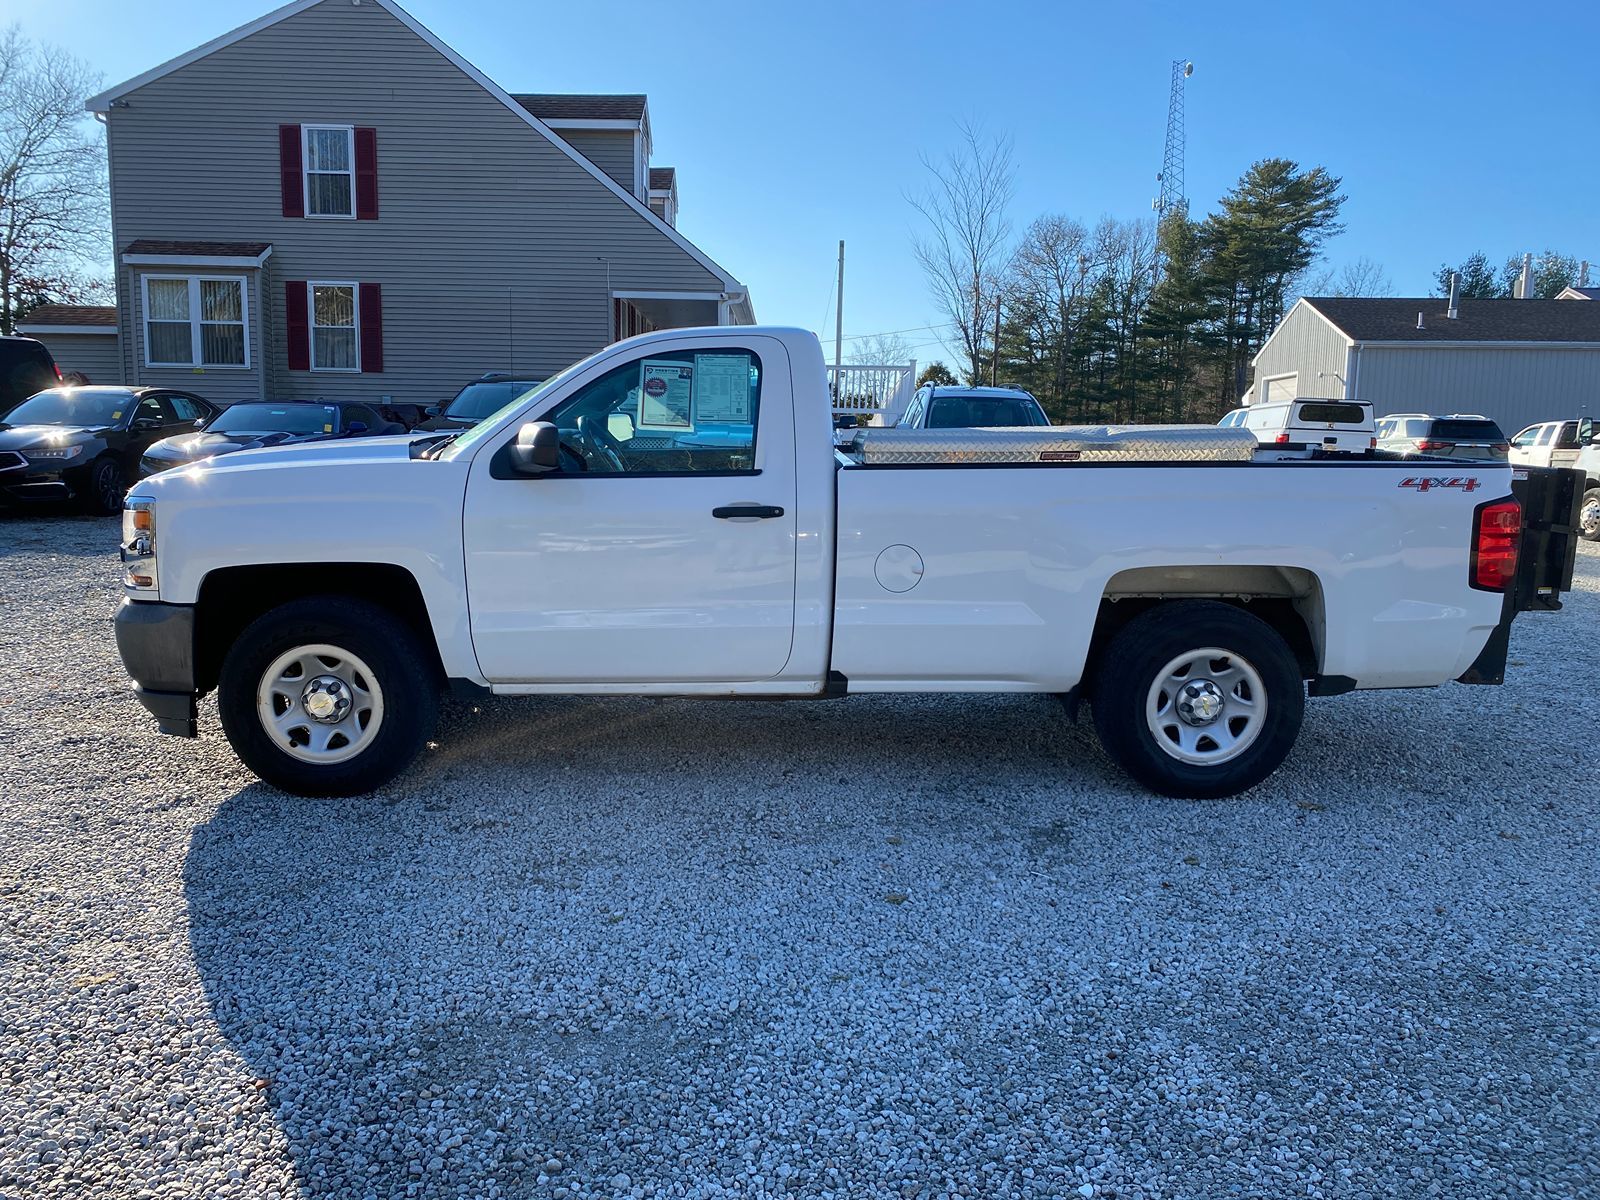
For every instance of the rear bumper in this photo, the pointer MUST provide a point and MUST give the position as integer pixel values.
(156, 642)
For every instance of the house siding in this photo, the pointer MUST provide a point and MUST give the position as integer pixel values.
(1305, 343)
(610, 150)
(1515, 386)
(489, 240)
(97, 355)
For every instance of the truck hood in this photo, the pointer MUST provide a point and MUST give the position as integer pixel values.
(393, 448)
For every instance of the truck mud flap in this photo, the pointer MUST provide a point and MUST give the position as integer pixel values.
(1550, 499)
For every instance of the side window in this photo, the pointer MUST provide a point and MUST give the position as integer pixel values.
(1417, 428)
(360, 412)
(1547, 434)
(1525, 438)
(157, 409)
(188, 408)
(676, 412)
(1567, 439)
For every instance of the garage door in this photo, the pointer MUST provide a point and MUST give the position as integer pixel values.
(1284, 387)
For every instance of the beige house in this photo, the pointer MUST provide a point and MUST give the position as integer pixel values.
(330, 202)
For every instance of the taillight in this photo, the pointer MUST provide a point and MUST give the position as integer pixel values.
(1372, 443)
(1496, 532)
(1501, 447)
(59, 377)
(1282, 439)
(1427, 445)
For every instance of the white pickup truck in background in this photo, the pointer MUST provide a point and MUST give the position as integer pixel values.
(669, 517)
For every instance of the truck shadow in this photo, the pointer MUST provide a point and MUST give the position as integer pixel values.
(534, 942)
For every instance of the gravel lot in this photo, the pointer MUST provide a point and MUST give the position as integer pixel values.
(885, 947)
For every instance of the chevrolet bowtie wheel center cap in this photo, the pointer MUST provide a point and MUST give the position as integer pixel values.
(327, 699)
(1199, 702)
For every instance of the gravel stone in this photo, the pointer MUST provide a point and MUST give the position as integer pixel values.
(634, 948)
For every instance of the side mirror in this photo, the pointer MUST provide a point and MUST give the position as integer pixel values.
(433, 410)
(537, 450)
(357, 427)
(1586, 433)
(200, 423)
(146, 424)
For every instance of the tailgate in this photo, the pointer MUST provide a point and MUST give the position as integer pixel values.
(1550, 499)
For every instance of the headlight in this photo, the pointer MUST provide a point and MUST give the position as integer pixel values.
(139, 543)
(54, 453)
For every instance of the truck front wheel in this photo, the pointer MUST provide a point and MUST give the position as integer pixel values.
(1589, 515)
(327, 696)
(1197, 699)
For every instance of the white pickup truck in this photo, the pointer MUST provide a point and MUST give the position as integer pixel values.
(670, 517)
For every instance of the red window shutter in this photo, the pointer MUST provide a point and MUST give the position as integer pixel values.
(371, 317)
(366, 174)
(289, 169)
(297, 324)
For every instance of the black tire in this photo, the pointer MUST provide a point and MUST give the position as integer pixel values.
(392, 652)
(1130, 665)
(105, 485)
(1589, 515)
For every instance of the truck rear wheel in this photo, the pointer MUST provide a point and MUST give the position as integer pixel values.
(327, 696)
(1197, 699)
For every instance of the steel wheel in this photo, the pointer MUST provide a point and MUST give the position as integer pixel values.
(1206, 706)
(319, 703)
(1589, 516)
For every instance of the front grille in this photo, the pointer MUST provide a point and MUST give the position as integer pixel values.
(10, 460)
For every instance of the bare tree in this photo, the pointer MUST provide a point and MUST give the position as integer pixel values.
(881, 349)
(53, 204)
(1049, 274)
(1363, 277)
(963, 253)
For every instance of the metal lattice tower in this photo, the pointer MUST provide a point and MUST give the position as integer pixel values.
(1172, 198)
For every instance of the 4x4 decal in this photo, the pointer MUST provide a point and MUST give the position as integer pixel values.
(1426, 483)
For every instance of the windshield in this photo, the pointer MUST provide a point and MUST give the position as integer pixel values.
(977, 412)
(1466, 431)
(72, 406)
(277, 418)
(478, 400)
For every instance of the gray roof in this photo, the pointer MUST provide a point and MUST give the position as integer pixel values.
(662, 178)
(556, 107)
(71, 314)
(1389, 319)
(184, 249)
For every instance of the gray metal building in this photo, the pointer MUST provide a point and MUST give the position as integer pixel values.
(1516, 361)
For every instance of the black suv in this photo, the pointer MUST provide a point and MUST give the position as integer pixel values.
(483, 397)
(25, 368)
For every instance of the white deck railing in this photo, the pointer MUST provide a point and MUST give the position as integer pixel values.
(881, 391)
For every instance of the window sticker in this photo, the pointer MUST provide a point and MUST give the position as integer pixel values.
(722, 389)
(327, 429)
(666, 395)
(117, 416)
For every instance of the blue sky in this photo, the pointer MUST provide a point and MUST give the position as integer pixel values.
(1463, 126)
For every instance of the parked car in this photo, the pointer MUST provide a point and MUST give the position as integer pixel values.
(1548, 444)
(329, 591)
(253, 426)
(1460, 435)
(935, 407)
(1333, 426)
(84, 443)
(26, 368)
(482, 397)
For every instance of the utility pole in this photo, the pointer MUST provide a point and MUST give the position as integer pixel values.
(838, 331)
(994, 363)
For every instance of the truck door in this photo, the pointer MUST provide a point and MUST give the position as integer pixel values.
(663, 548)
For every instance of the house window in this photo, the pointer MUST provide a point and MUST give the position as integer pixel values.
(330, 170)
(195, 321)
(333, 327)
